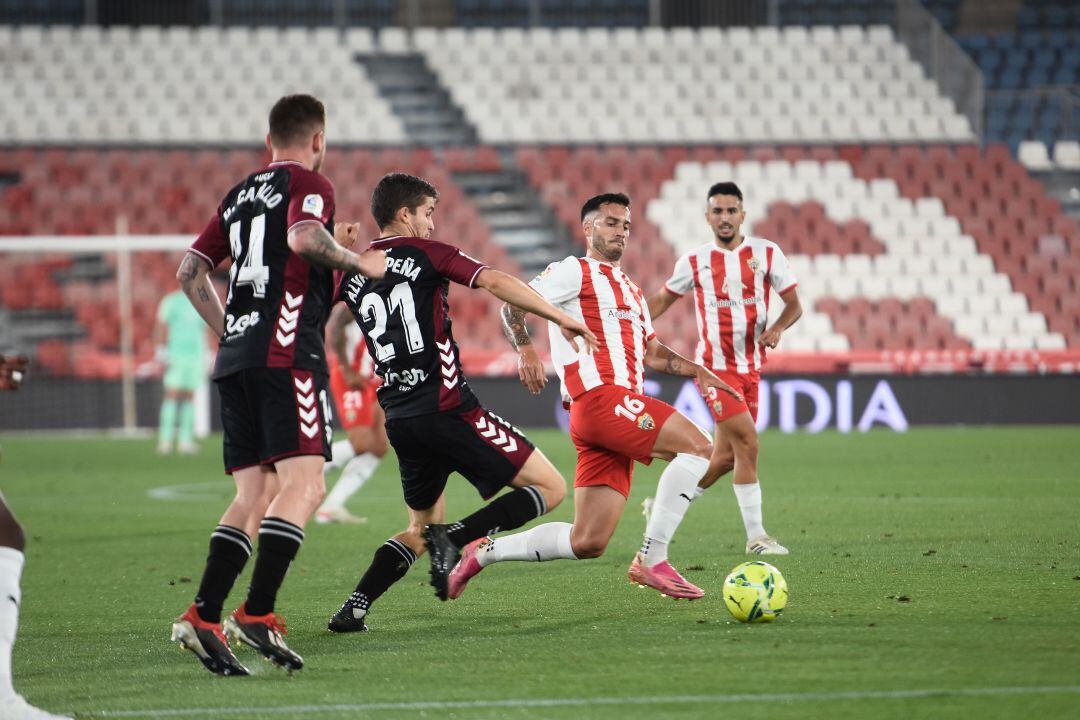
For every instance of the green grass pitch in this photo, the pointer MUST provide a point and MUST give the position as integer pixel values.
(934, 574)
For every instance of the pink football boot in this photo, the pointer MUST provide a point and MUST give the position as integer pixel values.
(467, 567)
(663, 577)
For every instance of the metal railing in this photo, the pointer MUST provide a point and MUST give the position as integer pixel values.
(943, 60)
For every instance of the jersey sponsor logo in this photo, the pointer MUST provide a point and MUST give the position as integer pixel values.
(624, 314)
(733, 302)
(645, 422)
(406, 267)
(237, 325)
(405, 379)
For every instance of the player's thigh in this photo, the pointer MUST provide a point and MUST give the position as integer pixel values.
(362, 438)
(618, 419)
(421, 466)
(680, 434)
(240, 443)
(600, 467)
(293, 413)
(740, 433)
(597, 509)
(488, 451)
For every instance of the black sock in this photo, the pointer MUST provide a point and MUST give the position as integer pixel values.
(392, 560)
(230, 549)
(505, 512)
(279, 541)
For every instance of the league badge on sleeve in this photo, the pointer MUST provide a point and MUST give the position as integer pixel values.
(313, 205)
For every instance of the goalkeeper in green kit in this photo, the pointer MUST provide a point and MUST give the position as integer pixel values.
(180, 335)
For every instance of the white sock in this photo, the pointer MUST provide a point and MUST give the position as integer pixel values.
(674, 493)
(11, 565)
(749, 497)
(341, 452)
(357, 472)
(550, 541)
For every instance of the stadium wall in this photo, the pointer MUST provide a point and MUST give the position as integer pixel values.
(790, 403)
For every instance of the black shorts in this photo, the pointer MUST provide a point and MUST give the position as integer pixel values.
(269, 414)
(488, 451)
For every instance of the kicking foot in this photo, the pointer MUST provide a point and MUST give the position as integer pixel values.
(208, 643)
(264, 634)
(467, 568)
(765, 545)
(663, 577)
(350, 618)
(444, 556)
(337, 515)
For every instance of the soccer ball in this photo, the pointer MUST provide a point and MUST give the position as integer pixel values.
(755, 592)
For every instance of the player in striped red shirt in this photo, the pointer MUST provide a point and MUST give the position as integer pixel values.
(353, 384)
(612, 423)
(730, 281)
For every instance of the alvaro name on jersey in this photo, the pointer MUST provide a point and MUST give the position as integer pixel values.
(405, 317)
(278, 303)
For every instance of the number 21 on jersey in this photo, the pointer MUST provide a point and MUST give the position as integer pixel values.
(376, 311)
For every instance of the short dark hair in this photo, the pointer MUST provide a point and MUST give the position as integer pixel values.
(725, 188)
(396, 191)
(593, 204)
(294, 118)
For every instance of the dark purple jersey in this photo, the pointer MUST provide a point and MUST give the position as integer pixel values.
(405, 317)
(278, 303)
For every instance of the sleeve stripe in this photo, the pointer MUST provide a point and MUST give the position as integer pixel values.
(204, 256)
(792, 286)
(305, 221)
(472, 280)
(673, 292)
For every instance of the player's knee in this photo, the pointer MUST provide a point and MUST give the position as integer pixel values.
(587, 546)
(315, 490)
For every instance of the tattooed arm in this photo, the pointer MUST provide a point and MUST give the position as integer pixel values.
(314, 244)
(659, 356)
(194, 278)
(530, 366)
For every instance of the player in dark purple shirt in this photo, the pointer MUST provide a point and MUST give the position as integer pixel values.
(275, 226)
(433, 420)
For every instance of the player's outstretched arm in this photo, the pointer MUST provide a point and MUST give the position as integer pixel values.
(530, 366)
(659, 356)
(792, 311)
(194, 278)
(312, 242)
(660, 302)
(514, 292)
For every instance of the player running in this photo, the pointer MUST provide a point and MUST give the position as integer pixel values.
(731, 279)
(276, 226)
(434, 421)
(612, 423)
(353, 383)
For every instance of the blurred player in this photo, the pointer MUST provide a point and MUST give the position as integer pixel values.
(433, 419)
(180, 335)
(353, 383)
(731, 279)
(276, 226)
(612, 423)
(12, 542)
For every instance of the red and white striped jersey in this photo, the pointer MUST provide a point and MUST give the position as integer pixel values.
(359, 358)
(614, 308)
(731, 299)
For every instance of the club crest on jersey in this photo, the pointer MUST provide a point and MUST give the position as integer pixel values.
(754, 264)
(645, 422)
(313, 205)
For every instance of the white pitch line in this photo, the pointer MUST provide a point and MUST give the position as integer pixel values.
(579, 702)
(210, 490)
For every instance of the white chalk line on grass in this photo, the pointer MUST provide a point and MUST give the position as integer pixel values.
(211, 490)
(525, 703)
